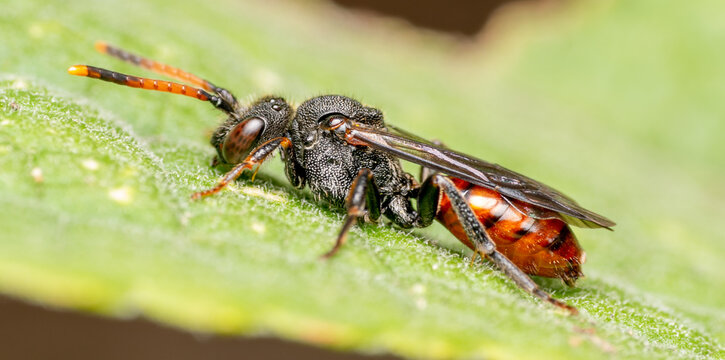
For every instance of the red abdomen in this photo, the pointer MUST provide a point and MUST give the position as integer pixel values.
(543, 247)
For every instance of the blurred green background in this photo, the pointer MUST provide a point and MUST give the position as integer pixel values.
(616, 103)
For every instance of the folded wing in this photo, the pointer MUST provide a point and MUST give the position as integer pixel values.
(510, 184)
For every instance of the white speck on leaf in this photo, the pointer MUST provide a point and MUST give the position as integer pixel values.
(257, 192)
(37, 174)
(184, 219)
(121, 195)
(420, 303)
(20, 84)
(90, 164)
(418, 289)
(259, 228)
(36, 30)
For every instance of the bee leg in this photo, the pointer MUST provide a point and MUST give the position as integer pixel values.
(256, 157)
(363, 199)
(428, 197)
(484, 246)
(474, 256)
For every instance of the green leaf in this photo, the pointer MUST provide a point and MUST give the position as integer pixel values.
(616, 103)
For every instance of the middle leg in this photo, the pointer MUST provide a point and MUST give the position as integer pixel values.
(362, 200)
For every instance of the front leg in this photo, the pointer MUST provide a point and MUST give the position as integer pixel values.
(294, 171)
(363, 199)
(256, 157)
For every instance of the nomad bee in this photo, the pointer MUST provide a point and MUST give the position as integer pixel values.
(349, 157)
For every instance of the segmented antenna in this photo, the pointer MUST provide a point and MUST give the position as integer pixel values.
(148, 84)
(155, 66)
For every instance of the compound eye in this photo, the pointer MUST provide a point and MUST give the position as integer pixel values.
(242, 139)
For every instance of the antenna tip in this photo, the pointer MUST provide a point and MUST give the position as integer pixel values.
(101, 47)
(79, 70)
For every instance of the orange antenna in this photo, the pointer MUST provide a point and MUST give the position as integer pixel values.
(155, 66)
(149, 84)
